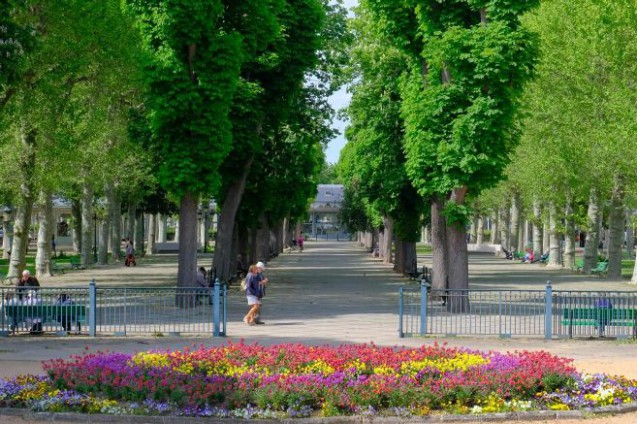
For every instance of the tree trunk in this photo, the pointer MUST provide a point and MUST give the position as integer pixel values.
(130, 222)
(616, 228)
(439, 244)
(87, 224)
(277, 236)
(263, 239)
(286, 232)
(114, 212)
(104, 229)
(554, 249)
(546, 238)
(409, 255)
(385, 249)
(399, 258)
(495, 231)
(152, 230)
(187, 271)
(458, 263)
(223, 245)
(139, 232)
(45, 233)
(17, 263)
(426, 234)
(592, 232)
(163, 225)
(630, 234)
(76, 211)
(515, 223)
(473, 231)
(538, 248)
(243, 244)
(505, 227)
(480, 231)
(569, 237)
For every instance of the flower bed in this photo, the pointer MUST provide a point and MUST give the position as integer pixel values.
(295, 380)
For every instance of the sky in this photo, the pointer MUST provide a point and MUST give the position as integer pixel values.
(339, 100)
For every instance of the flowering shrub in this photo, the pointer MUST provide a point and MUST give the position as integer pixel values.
(293, 380)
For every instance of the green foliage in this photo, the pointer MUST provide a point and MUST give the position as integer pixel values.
(462, 127)
(373, 162)
(284, 126)
(456, 214)
(17, 39)
(580, 108)
(329, 174)
(193, 61)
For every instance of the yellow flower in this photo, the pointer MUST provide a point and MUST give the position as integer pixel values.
(461, 362)
(317, 366)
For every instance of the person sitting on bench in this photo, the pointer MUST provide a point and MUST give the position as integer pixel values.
(26, 284)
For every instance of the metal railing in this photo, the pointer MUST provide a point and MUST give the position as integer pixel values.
(506, 313)
(121, 310)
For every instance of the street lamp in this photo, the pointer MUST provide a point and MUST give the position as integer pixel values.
(6, 242)
(95, 237)
(6, 213)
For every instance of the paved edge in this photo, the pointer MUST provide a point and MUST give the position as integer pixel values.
(450, 418)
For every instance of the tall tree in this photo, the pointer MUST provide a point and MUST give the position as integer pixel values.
(376, 165)
(277, 128)
(193, 58)
(469, 61)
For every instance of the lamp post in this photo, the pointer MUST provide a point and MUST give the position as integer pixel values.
(199, 233)
(95, 237)
(6, 231)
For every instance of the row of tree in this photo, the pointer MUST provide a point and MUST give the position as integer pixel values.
(155, 104)
(574, 168)
(437, 95)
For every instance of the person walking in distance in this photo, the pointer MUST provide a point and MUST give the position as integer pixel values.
(254, 281)
(130, 254)
(299, 243)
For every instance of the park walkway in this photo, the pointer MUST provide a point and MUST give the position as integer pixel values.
(331, 293)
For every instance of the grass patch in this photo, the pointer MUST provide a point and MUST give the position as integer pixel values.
(424, 249)
(628, 265)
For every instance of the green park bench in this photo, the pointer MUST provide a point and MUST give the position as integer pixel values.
(601, 270)
(600, 318)
(578, 265)
(46, 313)
(59, 267)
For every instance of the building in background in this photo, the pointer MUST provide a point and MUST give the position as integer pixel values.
(324, 213)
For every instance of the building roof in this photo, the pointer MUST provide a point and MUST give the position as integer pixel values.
(328, 196)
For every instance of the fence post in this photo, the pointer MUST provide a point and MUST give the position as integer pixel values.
(92, 311)
(224, 311)
(401, 300)
(423, 307)
(548, 312)
(215, 309)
